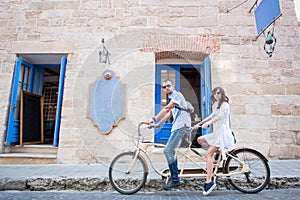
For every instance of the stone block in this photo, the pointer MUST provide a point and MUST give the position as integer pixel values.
(43, 22)
(168, 22)
(70, 143)
(274, 89)
(67, 155)
(199, 22)
(281, 109)
(274, 151)
(282, 137)
(297, 137)
(12, 184)
(69, 5)
(69, 134)
(208, 11)
(291, 75)
(282, 99)
(187, 3)
(43, 47)
(255, 122)
(237, 109)
(239, 31)
(191, 11)
(117, 3)
(33, 15)
(152, 22)
(236, 20)
(263, 148)
(49, 5)
(33, 37)
(293, 89)
(258, 109)
(288, 123)
(251, 135)
(288, 151)
(267, 78)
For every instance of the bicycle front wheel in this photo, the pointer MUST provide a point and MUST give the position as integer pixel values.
(255, 179)
(128, 174)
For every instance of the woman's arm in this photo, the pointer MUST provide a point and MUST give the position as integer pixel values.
(211, 121)
(205, 120)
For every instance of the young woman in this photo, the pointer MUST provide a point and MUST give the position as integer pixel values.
(220, 139)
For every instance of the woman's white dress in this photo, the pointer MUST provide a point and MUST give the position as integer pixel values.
(221, 136)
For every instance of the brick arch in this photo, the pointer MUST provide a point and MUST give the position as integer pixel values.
(189, 47)
(185, 55)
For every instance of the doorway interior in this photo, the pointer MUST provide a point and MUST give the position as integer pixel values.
(194, 82)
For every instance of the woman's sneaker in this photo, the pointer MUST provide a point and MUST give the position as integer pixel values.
(208, 187)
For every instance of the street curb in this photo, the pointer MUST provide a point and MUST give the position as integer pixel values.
(102, 184)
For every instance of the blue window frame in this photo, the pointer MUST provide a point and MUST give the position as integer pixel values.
(29, 77)
(173, 72)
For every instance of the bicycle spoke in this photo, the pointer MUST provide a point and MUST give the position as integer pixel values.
(252, 181)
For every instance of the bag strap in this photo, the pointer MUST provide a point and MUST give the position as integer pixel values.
(184, 109)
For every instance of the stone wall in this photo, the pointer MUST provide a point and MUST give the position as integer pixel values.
(264, 92)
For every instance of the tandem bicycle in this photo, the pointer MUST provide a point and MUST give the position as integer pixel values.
(246, 169)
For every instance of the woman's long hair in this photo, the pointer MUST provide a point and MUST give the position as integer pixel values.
(223, 99)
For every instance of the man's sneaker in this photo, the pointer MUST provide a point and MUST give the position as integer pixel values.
(208, 187)
(170, 185)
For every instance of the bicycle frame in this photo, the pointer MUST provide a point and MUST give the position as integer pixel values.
(142, 147)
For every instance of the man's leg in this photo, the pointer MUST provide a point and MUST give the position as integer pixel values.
(169, 152)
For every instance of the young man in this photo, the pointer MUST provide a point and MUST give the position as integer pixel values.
(181, 124)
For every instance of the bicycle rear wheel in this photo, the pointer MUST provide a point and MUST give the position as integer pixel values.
(253, 181)
(126, 174)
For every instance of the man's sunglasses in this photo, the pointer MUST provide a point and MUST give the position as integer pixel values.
(165, 86)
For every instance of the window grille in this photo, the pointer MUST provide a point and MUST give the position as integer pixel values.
(50, 102)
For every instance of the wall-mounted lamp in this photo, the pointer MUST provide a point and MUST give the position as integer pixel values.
(104, 54)
(270, 42)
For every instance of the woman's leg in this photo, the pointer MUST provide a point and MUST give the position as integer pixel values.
(209, 162)
(201, 140)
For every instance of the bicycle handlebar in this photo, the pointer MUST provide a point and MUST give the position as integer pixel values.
(150, 126)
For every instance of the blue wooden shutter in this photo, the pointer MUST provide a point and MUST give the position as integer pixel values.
(60, 99)
(23, 80)
(205, 92)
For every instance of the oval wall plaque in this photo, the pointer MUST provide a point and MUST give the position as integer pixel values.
(106, 106)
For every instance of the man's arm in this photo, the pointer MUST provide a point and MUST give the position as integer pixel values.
(165, 110)
(165, 113)
(164, 119)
